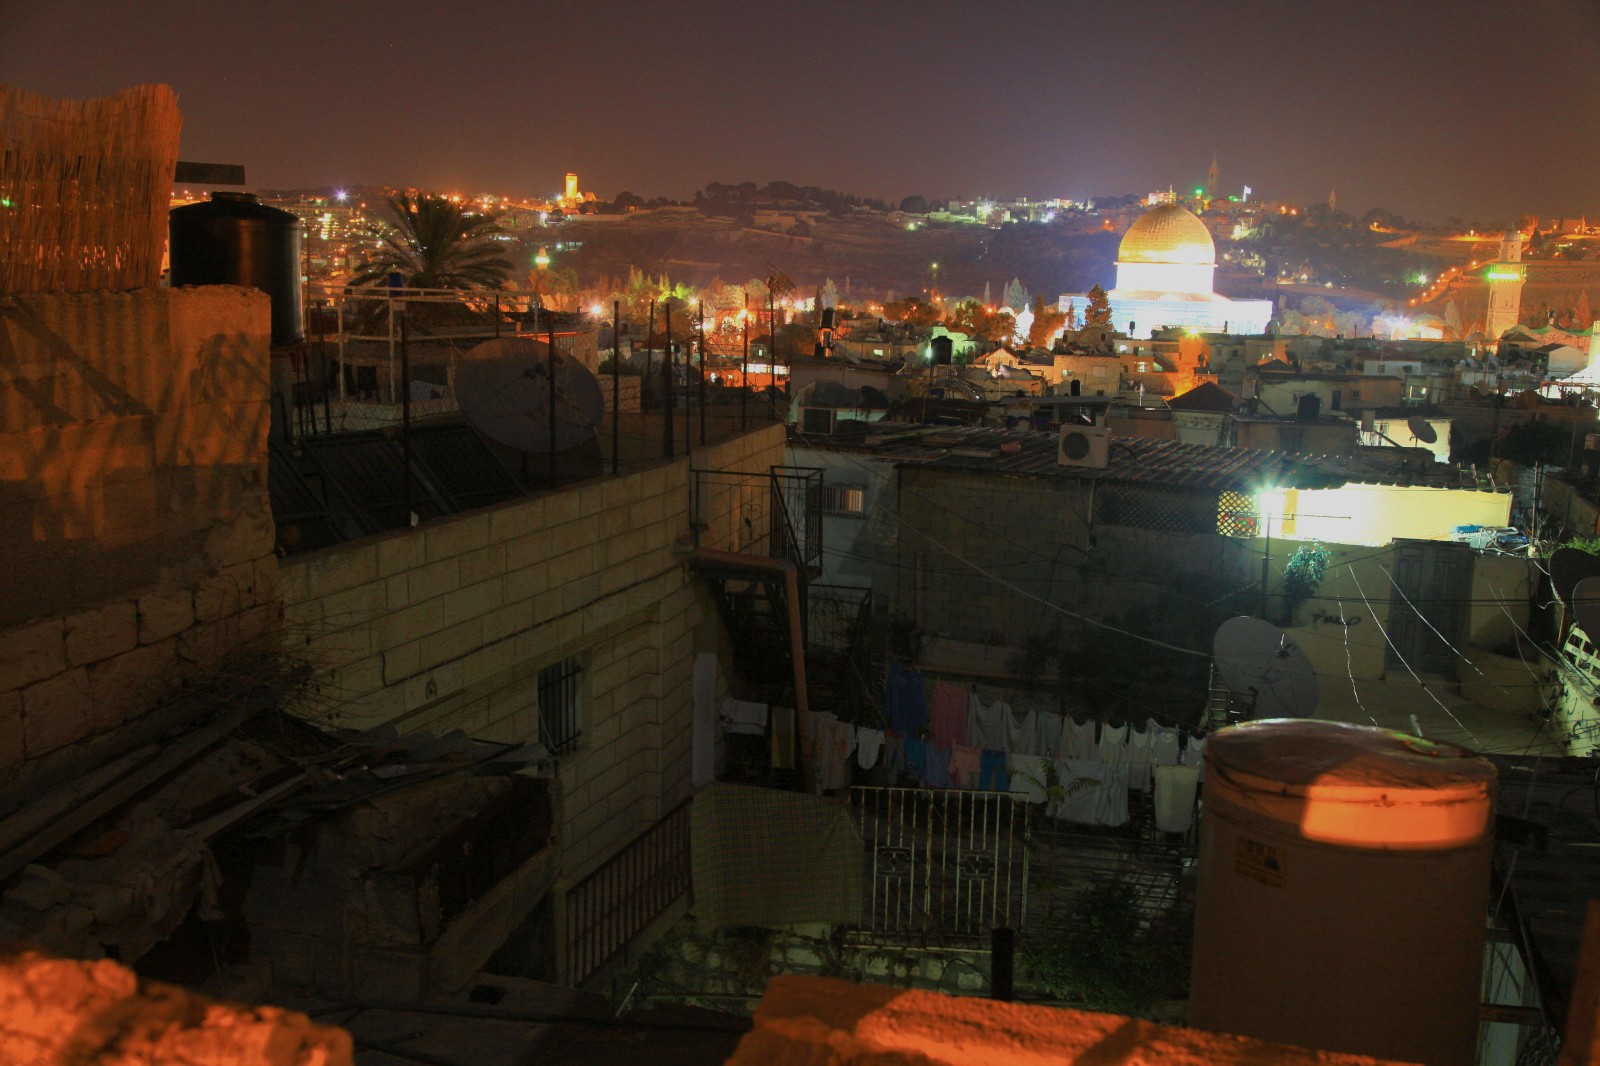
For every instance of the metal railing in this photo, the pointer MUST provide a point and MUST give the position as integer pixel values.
(633, 888)
(942, 867)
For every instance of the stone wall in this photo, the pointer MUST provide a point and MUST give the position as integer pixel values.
(101, 1014)
(1035, 536)
(729, 969)
(133, 502)
(447, 626)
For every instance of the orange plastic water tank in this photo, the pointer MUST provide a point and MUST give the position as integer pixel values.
(1343, 887)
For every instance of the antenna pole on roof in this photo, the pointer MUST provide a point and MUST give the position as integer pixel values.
(405, 409)
(744, 376)
(616, 380)
(669, 364)
(550, 366)
(701, 330)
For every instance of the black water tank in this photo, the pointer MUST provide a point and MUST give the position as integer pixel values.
(233, 240)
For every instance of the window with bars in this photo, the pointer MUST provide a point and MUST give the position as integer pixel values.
(559, 704)
(849, 501)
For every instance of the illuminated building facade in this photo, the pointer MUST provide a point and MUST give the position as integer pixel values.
(1166, 268)
(1505, 286)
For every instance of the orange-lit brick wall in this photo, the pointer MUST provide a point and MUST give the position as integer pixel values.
(133, 502)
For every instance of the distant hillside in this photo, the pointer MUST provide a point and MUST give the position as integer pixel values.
(876, 255)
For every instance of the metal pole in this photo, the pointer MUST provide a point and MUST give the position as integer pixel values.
(550, 343)
(772, 351)
(669, 364)
(405, 412)
(1266, 563)
(322, 349)
(616, 380)
(649, 339)
(701, 330)
(744, 375)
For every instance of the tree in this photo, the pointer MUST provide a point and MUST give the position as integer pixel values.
(972, 318)
(1097, 312)
(914, 205)
(1047, 322)
(435, 245)
(1014, 295)
(912, 311)
(1582, 313)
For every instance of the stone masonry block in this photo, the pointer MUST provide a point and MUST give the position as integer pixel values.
(12, 751)
(434, 579)
(516, 519)
(32, 652)
(337, 569)
(456, 536)
(122, 686)
(472, 602)
(226, 592)
(400, 551)
(525, 583)
(452, 643)
(561, 507)
(100, 634)
(483, 564)
(164, 613)
(55, 713)
(400, 663)
(245, 539)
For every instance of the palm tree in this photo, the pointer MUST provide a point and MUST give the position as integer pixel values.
(435, 245)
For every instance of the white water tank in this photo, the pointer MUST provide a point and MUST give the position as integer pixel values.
(1343, 888)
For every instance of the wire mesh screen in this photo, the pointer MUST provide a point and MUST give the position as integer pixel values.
(84, 186)
(1155, 508)
(942, 866)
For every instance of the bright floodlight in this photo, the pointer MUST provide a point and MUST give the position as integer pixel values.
(1271, 502)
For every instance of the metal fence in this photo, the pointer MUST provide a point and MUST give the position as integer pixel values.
(943, 867)
(636, 886)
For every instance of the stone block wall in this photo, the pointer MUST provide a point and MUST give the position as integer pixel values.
(1036, 535)
(133, 502)
(447, 626)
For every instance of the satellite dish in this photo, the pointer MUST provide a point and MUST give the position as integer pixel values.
(1586, 604)
(503, 387)
(1422, 429)
(1257, 660)
(1568, 566)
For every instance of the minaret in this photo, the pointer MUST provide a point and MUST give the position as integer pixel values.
(1213, 178)
(1505, 279)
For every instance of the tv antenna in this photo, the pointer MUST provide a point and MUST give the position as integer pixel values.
(1264, 669)
(503, 387)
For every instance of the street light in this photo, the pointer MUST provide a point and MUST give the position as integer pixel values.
(1269, 502)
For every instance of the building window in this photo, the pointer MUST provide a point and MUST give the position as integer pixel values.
(559, 704)
(847, 501)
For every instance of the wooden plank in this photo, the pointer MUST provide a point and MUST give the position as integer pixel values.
(128, 786)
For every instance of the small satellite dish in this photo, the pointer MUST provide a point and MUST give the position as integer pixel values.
(503, 387)
(1586, 605)
(1257, 660)
(1422, 429)
(1568, 566)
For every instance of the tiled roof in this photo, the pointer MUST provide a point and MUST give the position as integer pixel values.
(1137, 460)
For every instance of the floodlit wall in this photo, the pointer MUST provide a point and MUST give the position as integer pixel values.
(1377, 514)
(448, 625)
(133, 502)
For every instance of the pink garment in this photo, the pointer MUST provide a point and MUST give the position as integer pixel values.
(965, 766)
(949, 723)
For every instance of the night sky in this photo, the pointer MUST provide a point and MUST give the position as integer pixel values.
(1481, 110)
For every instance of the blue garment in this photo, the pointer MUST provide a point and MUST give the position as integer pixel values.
(907, 700)
(938, 772)
(993, 776)
(916, 758)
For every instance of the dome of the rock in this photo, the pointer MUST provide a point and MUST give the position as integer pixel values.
(1169, 234)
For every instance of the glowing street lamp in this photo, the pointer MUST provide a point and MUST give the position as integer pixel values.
(1269, 502)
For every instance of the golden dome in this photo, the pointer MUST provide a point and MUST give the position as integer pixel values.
(1168, 234)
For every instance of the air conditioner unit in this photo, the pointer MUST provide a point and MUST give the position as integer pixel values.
(818, 421)
(1086, 446)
